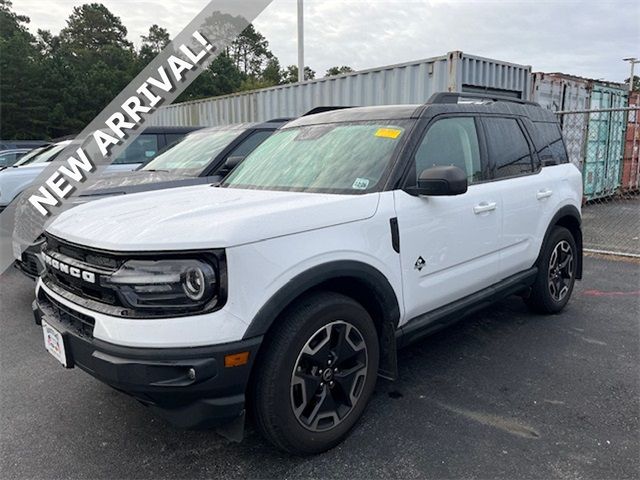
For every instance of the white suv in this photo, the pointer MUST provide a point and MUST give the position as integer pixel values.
(289, 288)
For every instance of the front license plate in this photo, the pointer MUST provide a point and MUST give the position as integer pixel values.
(54, 343)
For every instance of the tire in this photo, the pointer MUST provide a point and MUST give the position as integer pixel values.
(289, 387)
(554, 283)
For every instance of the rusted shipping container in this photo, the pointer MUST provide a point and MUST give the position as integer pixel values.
(631, 162)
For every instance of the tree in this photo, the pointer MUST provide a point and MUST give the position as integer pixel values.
(333, 71)
(221, 78)
(290, 74)
(153, 43)
(636, 82)
(93, 27)
(85, 67)
(250, 51)
(22, 110)
(272, 73)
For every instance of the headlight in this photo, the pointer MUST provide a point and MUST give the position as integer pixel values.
(176, 285)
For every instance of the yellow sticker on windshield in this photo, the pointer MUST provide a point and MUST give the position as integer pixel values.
(388, 132)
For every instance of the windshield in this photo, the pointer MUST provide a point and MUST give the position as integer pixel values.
(45, 156)
(28, 158)
(192, 154)
(335, 158)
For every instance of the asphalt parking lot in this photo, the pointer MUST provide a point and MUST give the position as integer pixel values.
(503, 394)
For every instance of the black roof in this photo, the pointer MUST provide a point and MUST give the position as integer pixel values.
(438, 104)
(384, 112)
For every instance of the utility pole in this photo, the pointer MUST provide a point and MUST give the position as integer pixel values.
(300, 41)
(632, 61)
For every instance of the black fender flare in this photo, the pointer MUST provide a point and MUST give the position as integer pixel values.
(307, 280)
(377, 287)
(573, 212)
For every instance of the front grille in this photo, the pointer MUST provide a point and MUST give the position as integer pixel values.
(80, 288)
(76, 322)
(87, 259)
(84, 255)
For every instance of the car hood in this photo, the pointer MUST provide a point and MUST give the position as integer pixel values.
(129, 182)
(203, 217)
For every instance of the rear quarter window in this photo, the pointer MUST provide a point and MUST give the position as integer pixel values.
(552, 140)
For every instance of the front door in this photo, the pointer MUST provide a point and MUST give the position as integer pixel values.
(449, 245)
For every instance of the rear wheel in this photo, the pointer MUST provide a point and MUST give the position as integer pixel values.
(556, 273)
(317, 373)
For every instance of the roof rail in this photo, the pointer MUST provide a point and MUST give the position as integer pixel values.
(326, 108)
(279, 119)
(453, 97)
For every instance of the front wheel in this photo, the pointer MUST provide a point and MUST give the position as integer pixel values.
(316, 374)
(556, 273)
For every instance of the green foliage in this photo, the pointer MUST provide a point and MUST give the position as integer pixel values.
(153, 43)
(290, 74)
(53, 85)
(636, 82)
(94, 27)
(333, 71)
(23, 111)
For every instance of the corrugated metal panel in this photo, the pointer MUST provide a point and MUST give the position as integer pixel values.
(631, 160)
(411, 82)
(560, 92)
(605, 141)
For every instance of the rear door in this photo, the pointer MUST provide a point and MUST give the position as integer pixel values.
(524, 187)
(449, 246)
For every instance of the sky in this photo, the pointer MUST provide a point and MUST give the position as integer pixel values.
(586, 38)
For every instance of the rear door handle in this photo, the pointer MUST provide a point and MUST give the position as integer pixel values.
(484, 207)
(546, 193)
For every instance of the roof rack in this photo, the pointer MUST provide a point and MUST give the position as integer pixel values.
(279, 119)
(326, 108)
(451, 97)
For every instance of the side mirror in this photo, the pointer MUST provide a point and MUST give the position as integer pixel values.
(232, 162)
(441, 181)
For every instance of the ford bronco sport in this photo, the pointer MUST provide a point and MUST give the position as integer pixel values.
(288, 289)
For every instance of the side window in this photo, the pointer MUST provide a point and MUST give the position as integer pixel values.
(143, 148)
(451, 141)
(509, 152)
(249, 144)
(552, 136)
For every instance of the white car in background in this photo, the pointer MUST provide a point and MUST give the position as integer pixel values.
(14, 180)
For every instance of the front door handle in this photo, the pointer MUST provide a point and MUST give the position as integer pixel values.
(546, 193)
(484, 207)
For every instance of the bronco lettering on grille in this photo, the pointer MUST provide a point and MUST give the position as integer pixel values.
(49, 261)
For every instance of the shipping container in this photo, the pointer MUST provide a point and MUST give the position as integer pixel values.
(602, 170)
(562, 92)
(631, 161)
(406, 83)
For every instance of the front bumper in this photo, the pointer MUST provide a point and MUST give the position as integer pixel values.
(190, 387)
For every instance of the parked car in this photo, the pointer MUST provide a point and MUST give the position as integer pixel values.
(289, 288)
(9, 157)
(29, 156)
(203, 156)
(17, 178)
(28, 144)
